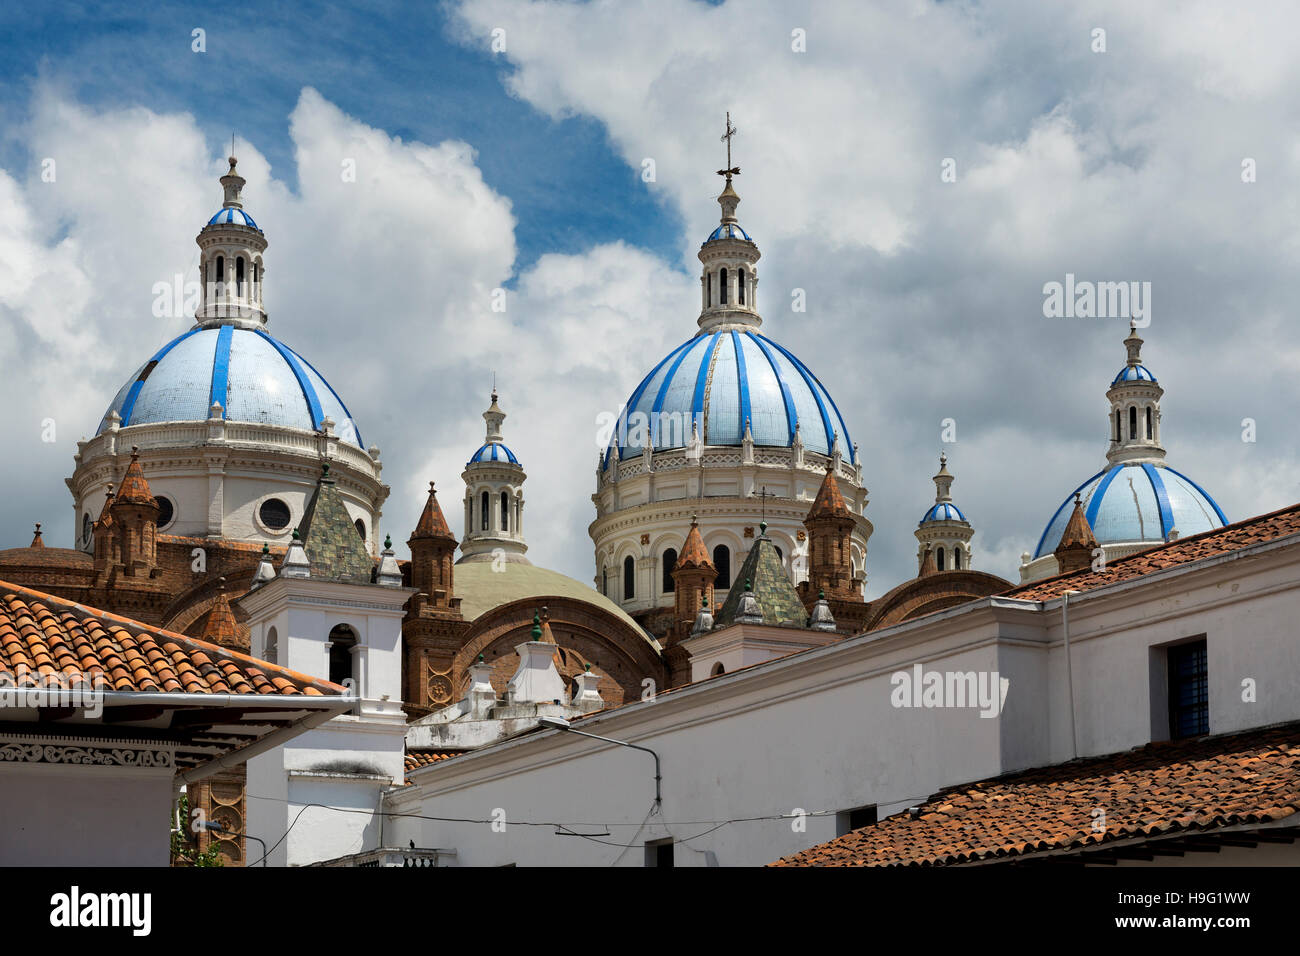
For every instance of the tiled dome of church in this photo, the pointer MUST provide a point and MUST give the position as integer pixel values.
(253, 376)
(1137, 502)
(715, 383)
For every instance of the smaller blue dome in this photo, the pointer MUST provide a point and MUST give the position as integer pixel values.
(493, 451)
(943, 512)
(1134, 373)
(234, 216)
(729, 231)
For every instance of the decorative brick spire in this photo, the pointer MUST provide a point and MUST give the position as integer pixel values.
(37, 541)
(928, 566)
(830, 533)
(135, 488)
(433, 553)
(693, 577)
(221, 627)
(1074, 553)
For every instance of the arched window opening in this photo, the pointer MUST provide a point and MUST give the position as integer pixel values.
(708, 288)
(1132, 421)
(722, 285)
(221, 268)
(361, 528)
(87, 529)
(342, 642)
(718, 670)
(485, 508)
(271, 650)
(1150, 431)
(956, 558)
(629, 578)
(1119, 426)
(938, 559)
(505, 511)
(604, 580)
(239, 276)
(779, 553)
(722, 561)
(670, 562)
(740, 286)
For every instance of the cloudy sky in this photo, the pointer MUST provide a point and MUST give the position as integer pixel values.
(520, 167)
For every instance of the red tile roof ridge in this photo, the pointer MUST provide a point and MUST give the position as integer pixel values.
(313, 685)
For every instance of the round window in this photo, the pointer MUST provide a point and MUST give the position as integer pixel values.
(166, 511)
(274, 514)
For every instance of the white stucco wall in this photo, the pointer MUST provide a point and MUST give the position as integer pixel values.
(84, 816)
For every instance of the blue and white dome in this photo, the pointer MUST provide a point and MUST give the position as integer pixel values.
(254, 377)
(717, 381)
(942, 512)
(1133, 373)
(493, 451)
(729, 230)
(1136, 502)
(235, 216)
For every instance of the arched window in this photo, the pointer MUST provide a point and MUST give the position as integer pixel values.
(629, 578)
(604, 580)
(239, 276)
(87, 529)
(740, 286)
(722, 561)
(1150, 431)
(1132, 421)
(342, 641)
(361, 528)
(1119, 426)
(779, 553)
(938, 558)
(708, 288)
(722, 285)
(272, 646)
(221, 268)
(670, 562)
(505, 511)
(956, 557)
(718, 670)
(486, 507)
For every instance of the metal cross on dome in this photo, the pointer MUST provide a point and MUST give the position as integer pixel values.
(726, 138)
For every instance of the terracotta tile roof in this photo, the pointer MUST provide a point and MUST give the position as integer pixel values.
(1233, 537)
(694, 554)
(432, 524)
(1195, 786)
(44, 635)
(134, 488)
(423, 758)
(829, 502)
(415, 759)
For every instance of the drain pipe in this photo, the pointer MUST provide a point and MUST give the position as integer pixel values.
(1069, 669)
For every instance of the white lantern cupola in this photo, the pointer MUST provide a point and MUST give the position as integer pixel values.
(1134, 409)
(230, 262)
(943, 529)
(494, 497)
(729, 279)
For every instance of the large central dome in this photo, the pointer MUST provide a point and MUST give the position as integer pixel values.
(254, 378)
(711, 385)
